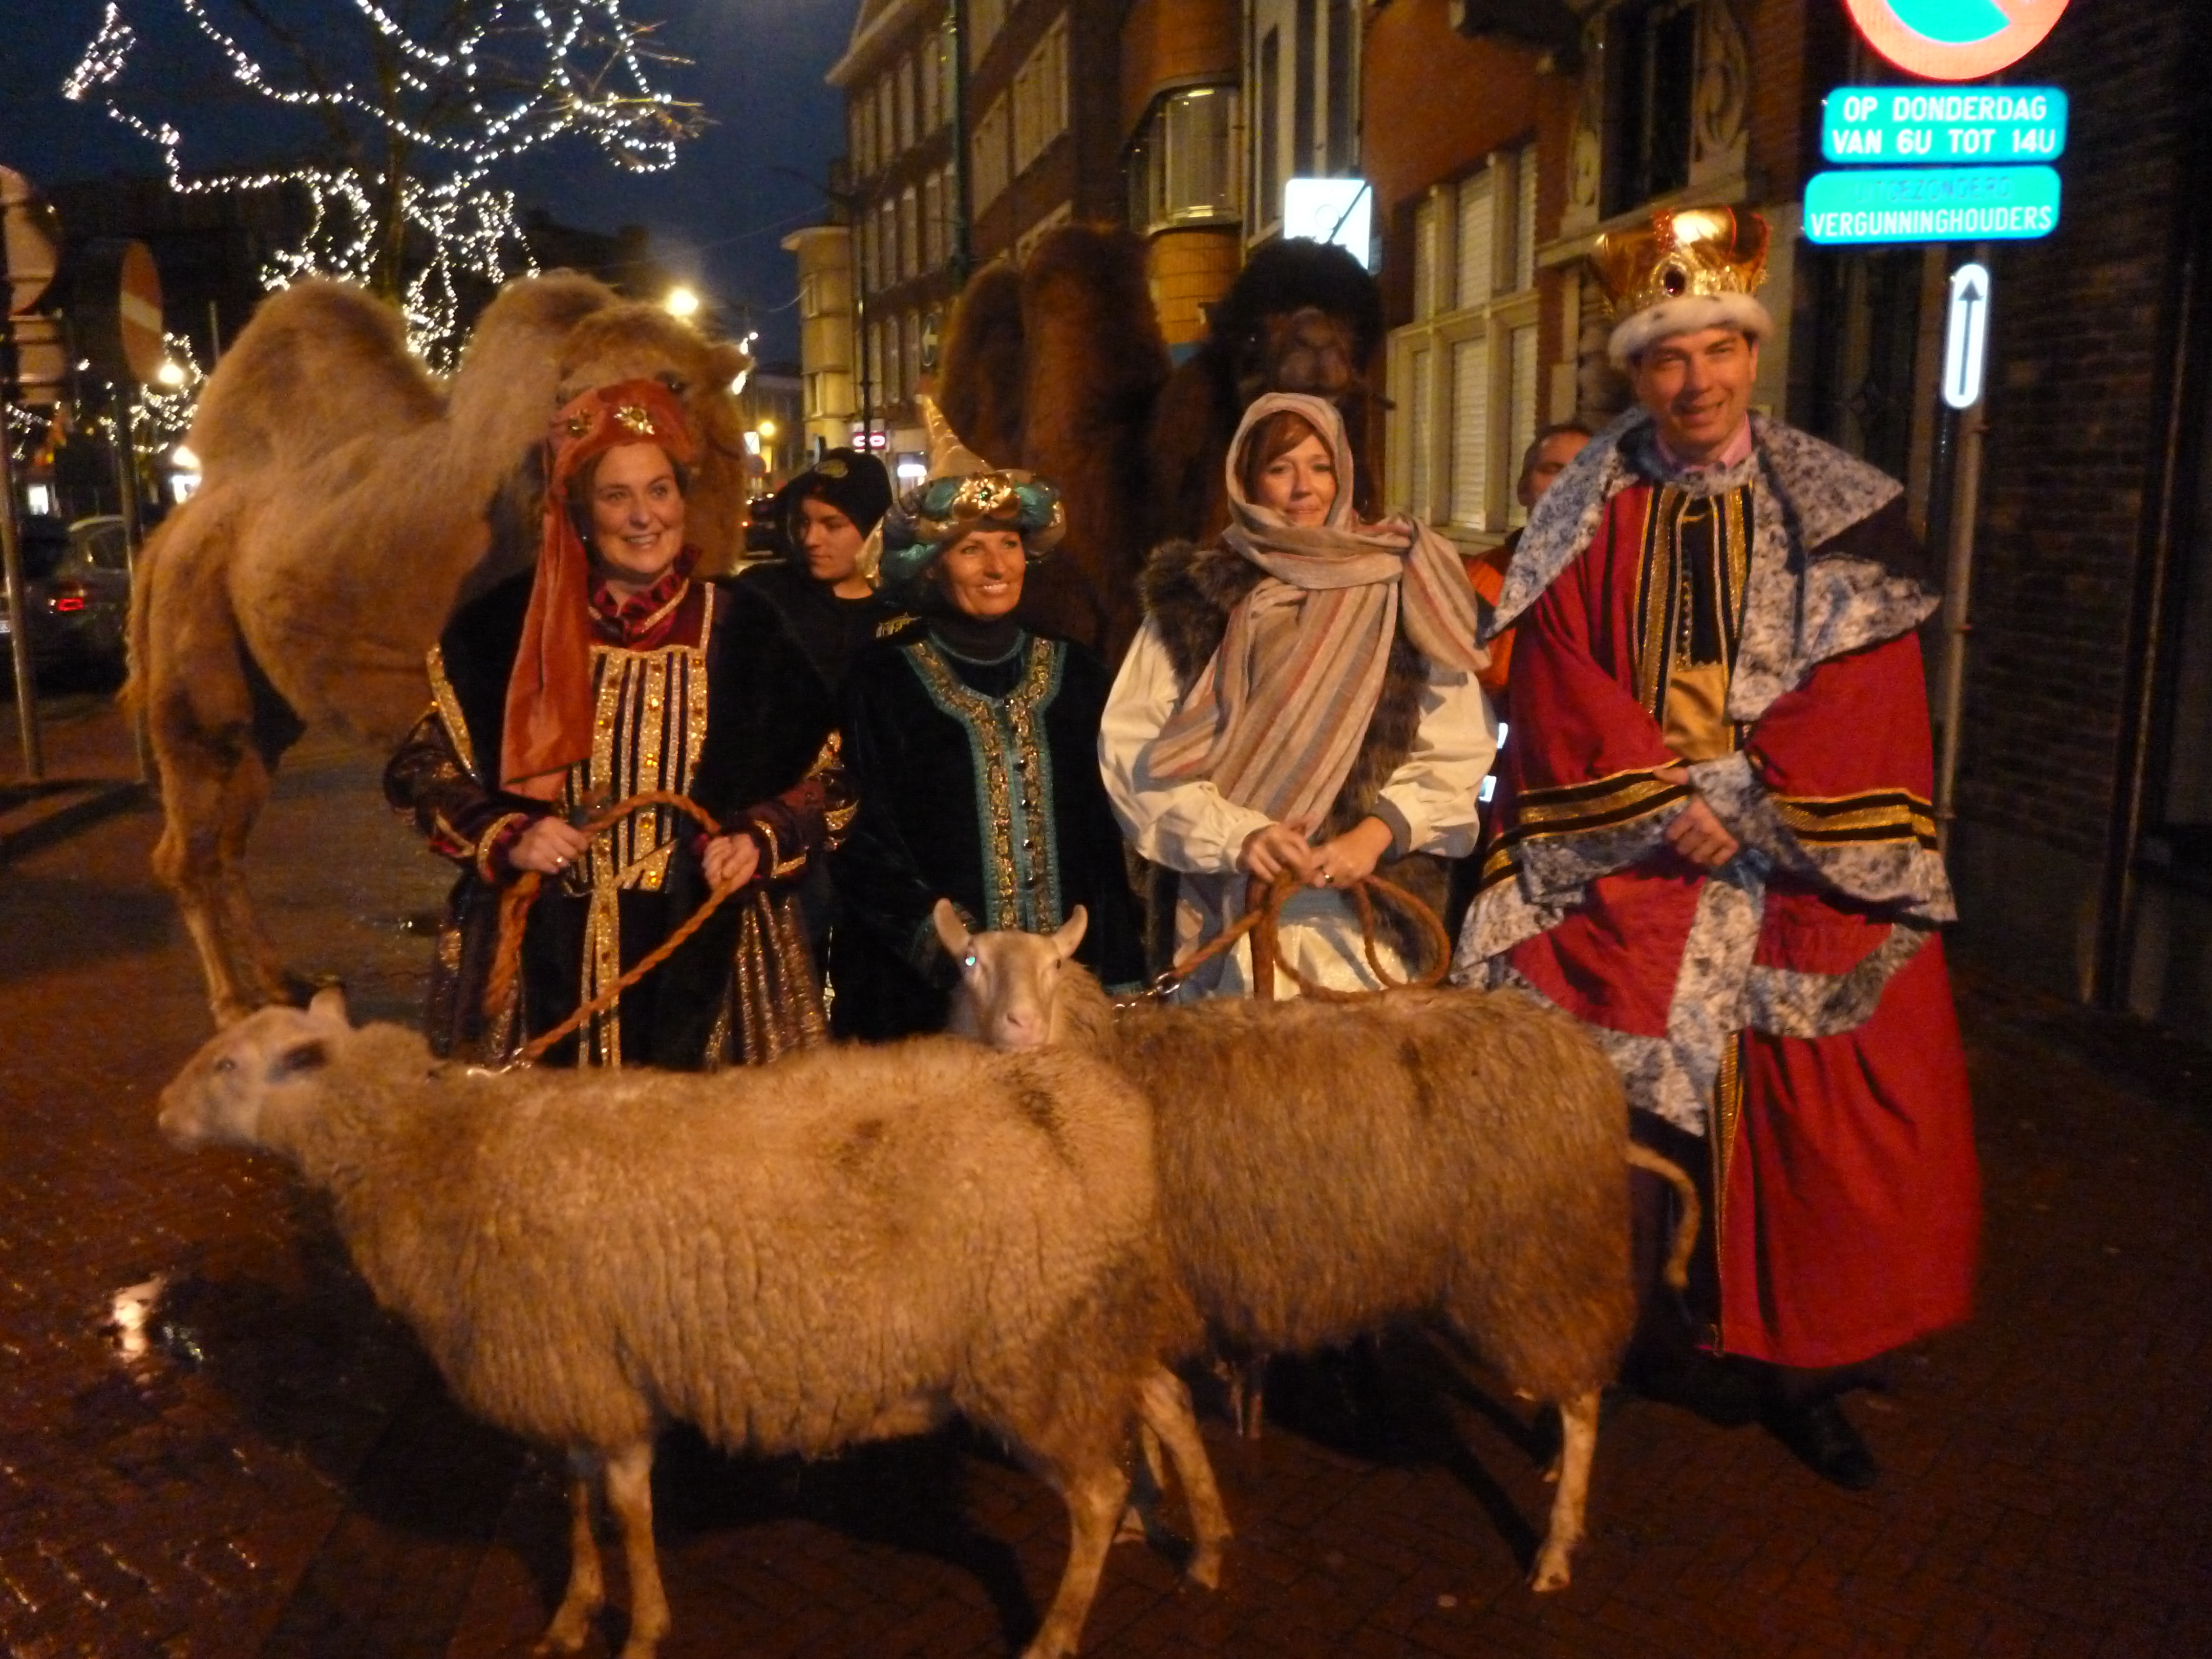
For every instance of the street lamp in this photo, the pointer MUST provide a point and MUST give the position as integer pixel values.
(766, 430)
(681, 302)
(171, 372)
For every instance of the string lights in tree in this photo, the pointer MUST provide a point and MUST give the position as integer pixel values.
(410, 121)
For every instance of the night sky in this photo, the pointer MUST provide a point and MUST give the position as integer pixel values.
(756, 68)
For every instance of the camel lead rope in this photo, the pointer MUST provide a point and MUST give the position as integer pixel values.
(1264, 905)
(514, 913)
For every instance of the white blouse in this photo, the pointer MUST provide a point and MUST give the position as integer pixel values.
(1191, 827)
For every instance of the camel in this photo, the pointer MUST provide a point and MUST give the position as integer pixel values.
(1058, 367)
(349, 502)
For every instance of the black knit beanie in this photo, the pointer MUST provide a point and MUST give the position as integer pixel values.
(855, 484)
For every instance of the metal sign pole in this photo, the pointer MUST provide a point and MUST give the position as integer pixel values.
(19, 642)
(126, 479)
(1959, 565)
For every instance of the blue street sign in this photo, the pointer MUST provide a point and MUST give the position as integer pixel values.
(1931, 204)
(1943, 124)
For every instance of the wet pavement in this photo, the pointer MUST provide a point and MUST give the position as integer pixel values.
(212, 1444)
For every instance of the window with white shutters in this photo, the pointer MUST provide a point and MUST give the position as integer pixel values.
(1425, 218)
(988, 144)
(1475, 265)
(984, 19)
(1520, 411)
(909, 233)
(933, 221)
(1524, 219)
(1470, 432)
(1465, 373)
(1420, 434)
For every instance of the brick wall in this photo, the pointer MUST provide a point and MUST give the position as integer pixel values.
(1173, 40)
(2081, 331)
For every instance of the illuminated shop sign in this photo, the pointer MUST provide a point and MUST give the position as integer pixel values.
(1339, 210)
(1914, 125)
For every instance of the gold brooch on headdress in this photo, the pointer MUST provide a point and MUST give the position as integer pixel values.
(633, 419)
(1709, 252)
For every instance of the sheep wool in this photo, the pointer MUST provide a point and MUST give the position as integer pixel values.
(847, 1244)
(1326, 1169)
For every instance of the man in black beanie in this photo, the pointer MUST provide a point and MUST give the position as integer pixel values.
(823, 519)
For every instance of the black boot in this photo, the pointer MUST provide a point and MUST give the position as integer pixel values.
(1823, 1440)
(1721, 1392)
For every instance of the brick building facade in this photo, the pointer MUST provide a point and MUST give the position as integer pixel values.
(2083, 846)
(1502, 137)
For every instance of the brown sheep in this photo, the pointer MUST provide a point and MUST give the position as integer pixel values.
(848, 1245)
(1326, 1169)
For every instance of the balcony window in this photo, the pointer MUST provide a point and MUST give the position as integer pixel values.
(1183, 169)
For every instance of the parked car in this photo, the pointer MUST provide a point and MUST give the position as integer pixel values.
(77, 591)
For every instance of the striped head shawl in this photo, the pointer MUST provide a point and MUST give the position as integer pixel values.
(1277, 715)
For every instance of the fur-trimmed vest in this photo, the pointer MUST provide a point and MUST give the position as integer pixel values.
(1188, 592)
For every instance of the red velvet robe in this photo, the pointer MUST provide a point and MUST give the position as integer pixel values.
(1794, 1007)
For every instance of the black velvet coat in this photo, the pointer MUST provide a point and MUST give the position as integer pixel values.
(767, 722)
(925, 829)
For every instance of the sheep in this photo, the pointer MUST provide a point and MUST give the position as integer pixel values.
(1327, 1168)
(848, 1245)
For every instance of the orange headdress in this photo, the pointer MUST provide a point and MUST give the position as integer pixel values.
(548, 724)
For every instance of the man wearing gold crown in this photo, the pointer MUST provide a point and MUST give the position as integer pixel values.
(1713, 846)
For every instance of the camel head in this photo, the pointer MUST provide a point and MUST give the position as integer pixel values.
(630, 341)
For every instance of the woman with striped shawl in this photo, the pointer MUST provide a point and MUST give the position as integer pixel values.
(1302, 697)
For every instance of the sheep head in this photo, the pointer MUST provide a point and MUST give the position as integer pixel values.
(1012, 985)
(218, 1098)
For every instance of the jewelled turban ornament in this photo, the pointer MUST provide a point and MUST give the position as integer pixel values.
(963, 494)
(1691, 269)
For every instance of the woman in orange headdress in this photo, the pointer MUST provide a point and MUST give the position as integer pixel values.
(606, 671)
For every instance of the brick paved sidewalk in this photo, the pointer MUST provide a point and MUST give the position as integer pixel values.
(279, 1473)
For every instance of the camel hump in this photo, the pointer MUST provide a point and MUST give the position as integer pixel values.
(320, 363)
(534, 315)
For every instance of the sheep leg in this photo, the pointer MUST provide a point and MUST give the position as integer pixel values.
(629, 1495)
(1094, 1499)
(1164, 1404)
(587, 1584)
(1247, 1395)
(1146, 1491)
(1577, 1445)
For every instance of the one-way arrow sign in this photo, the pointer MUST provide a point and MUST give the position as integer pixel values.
(1966, 337)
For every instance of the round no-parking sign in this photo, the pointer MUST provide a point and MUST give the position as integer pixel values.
(1954, 40)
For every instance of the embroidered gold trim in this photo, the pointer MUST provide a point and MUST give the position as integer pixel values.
(682, 593)
(1633, 789)
(448, 702)
(637, 745)
(1727, 1118)
(485, 874)
(980, 714)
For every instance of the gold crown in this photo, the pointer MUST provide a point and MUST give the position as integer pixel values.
(1708, 251)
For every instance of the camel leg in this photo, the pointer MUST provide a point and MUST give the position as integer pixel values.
(629, 1495)
(195, 779)
(1164, 1404)
(1577, 1445)
(587, 1584)
(1094, 1494)
(243, 797)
